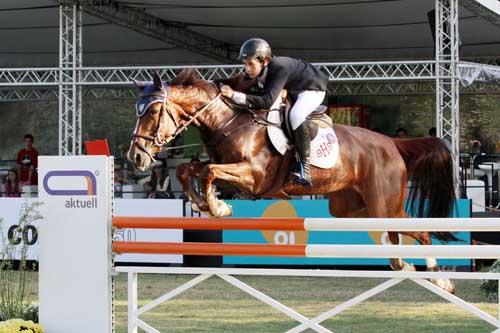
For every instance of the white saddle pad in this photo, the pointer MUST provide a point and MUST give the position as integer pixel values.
(324, 147)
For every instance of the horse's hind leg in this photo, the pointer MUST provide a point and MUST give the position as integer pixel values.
(347, 203)
(424, 238)
(398, 264)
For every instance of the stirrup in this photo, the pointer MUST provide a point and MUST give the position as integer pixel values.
(300, 176)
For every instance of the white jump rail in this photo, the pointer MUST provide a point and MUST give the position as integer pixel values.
(76, 261)
(229, 275)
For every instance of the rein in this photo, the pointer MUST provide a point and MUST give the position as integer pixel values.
(156, 139)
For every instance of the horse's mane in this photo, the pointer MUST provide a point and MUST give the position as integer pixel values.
(186, 77)
(190, 76)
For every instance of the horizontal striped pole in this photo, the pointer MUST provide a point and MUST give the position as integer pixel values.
(202, 223)
(313, 251)
(210, 249)
(310, 224)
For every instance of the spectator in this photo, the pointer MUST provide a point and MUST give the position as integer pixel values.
(433, 131)
(158, 184)
(27, 160)
(176, 142)
(401, 132)
(119, 182)
(12, 186)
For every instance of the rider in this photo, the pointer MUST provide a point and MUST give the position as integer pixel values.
(305, 84)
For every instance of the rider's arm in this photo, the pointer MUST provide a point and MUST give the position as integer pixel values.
(275, 82)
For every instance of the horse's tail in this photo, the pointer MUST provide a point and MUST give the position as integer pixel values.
(430, 169)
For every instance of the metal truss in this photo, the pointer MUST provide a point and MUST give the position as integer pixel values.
(404, 89)
(379, 71)
(90, 93)
(20, 77)
(147, 24)
(447, 80)
(381, 88)
(70, 93)
(388, 72)
(493, 61)
(105, 76)
(28, 95)
(360, 71)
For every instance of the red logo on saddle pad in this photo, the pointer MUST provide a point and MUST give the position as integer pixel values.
(324, 149)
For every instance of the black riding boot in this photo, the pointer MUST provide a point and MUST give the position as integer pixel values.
(302, 144)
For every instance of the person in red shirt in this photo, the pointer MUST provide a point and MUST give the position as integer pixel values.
(27, 159)
(11, 187)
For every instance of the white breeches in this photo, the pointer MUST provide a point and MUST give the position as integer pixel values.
(306, 103)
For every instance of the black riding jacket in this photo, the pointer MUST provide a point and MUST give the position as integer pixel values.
(286, 73)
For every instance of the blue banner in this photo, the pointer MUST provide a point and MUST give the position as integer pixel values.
(318, 208)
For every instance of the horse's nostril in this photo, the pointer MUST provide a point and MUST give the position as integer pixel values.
(137, 159)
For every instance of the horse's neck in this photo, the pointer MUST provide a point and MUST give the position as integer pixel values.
(215, 117)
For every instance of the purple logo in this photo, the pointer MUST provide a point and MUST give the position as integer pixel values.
(331, 138)
(87, 175)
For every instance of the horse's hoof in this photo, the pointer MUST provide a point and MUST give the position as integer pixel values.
(408, 267)
(195, 208)
(199, 209)
(400, 265)
(445, 284)
(222, 209)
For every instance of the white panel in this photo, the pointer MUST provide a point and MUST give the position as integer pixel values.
(10, 209)
(75, 251)
(149, 208)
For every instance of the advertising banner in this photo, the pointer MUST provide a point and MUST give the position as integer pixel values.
(317, 208)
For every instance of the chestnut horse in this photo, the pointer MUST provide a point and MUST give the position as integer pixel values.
(368, 180)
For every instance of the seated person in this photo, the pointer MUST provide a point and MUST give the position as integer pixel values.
(12, 185)
(401, 132)
(157, 186)
(119, 182)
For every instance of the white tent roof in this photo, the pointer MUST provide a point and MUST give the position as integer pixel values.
(317, 30)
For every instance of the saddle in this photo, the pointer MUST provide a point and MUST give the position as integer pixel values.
(318, 114)
(324, 143)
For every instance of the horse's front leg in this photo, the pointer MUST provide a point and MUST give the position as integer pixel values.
(185, 172)
(237, 174)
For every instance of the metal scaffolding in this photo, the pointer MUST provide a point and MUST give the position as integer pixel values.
(447, 81)
(439, 76)
(70, 91)
(92, 93)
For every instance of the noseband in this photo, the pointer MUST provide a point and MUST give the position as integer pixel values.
(147, 100)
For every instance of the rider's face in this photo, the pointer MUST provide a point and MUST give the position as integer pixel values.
(254, 67)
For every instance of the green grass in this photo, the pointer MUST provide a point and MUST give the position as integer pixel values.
(216, 306)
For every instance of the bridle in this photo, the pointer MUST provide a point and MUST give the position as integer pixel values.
(162, 97)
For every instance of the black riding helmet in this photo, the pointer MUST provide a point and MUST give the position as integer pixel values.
(255, 48)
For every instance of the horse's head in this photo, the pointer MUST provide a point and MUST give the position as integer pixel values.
(163, 111)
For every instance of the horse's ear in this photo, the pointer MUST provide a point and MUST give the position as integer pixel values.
(140, 84)
(157, 80)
